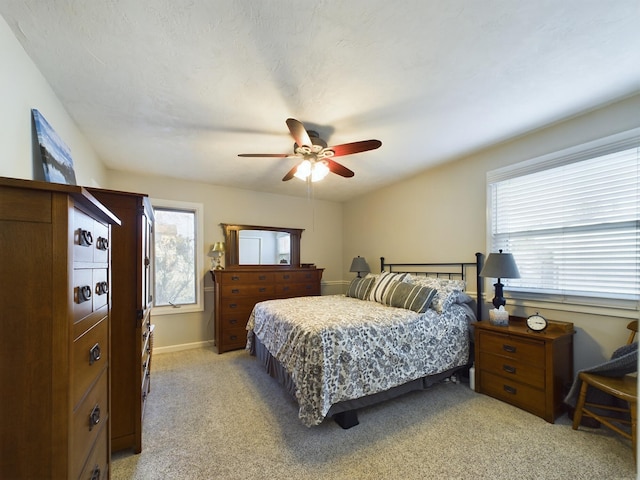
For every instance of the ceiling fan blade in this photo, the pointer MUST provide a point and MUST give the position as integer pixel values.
(341, 170)
(355, 147)
(269, 155)
(298, 132)
(290, 174)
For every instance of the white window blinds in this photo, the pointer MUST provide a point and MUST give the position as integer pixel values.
(571, 222)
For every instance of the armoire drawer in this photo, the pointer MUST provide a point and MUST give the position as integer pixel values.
(88, 419)
(88, 358)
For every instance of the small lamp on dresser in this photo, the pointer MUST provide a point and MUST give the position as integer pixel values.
(500, 265)
(360, 265)
(216, 252)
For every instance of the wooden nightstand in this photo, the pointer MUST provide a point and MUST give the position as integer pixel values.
(527, 369)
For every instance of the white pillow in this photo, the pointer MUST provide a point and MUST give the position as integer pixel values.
(448, 290)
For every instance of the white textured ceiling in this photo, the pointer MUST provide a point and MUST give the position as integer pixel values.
(180, 87)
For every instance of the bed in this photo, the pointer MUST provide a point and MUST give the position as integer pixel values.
(391, 333)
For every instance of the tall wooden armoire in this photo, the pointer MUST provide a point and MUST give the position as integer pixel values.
(130, 314)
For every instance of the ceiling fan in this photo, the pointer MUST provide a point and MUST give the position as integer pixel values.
(316, 156)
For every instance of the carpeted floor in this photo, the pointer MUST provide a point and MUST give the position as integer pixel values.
(213, 416)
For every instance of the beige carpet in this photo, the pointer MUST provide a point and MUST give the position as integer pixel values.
(215, 416)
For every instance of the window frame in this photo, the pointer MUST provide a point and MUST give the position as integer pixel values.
(199, 270)
(592, 304)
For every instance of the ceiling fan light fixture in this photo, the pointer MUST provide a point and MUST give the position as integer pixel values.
(316, 170)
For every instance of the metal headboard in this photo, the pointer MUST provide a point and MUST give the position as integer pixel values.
(452, 270)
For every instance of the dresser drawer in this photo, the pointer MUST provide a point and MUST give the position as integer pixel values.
(96, 466)
(513, 369)
(234, 320)
(88, 420)
(296, 276)
(523, 350)
(88, 358)
(247, 277)
(234, 337)
(240, 306)
(296, 289)
(247, 290)
(516, 393)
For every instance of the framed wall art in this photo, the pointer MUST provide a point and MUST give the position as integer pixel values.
(56, 156)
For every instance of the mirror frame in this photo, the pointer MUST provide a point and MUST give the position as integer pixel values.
(232, 242)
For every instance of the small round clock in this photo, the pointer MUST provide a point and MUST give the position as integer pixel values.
(537, 322)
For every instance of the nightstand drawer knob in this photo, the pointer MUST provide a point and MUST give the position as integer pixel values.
(509, 348)
(509, 369)
(510, 390)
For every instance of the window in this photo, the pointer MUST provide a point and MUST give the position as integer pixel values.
(571, 221)
(178, 257)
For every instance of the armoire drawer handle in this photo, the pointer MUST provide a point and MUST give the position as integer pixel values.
(510, 390)
(102, 243)
(94, 417)
(86, 238)
(95, 473)
(94, 354)
(102, 288)
(509, 348)
(84, 294)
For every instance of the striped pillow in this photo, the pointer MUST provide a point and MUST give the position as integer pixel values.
(379, 289)
(411, 297)
(360, 287)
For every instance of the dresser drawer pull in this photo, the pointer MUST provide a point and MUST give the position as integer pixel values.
(510, 390)
(95, 473)
(262, 277)
(233, 337)
(286, 277)
(86, 239)
(233, 305)
(235, 278)
(509, 369)
(286, 288)
(263, 289)
(94, 354)
(509, 348)
(102, 243)
(84, 294)
(233, 321)
(94, 417)
(102, 288)
(235, 290)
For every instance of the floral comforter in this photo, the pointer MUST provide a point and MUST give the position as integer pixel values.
(339, 348)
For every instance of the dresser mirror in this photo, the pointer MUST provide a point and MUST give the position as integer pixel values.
(252, 245)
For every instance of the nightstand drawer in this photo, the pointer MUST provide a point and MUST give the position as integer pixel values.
(516, 393)
(524, 350)
(513, 369)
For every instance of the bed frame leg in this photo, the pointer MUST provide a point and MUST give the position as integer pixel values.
(347, 419)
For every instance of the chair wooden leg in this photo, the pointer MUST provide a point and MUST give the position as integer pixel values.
(577, 415)
(634, 435)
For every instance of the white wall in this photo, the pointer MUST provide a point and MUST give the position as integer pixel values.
(440, 215)
(321, 241)
(23, 87)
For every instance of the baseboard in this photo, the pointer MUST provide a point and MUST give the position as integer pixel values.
(183, 346)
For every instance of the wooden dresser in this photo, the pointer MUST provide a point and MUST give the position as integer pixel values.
(130, 314)
(527, 369)
(55, 283)
(238, 290)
